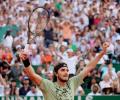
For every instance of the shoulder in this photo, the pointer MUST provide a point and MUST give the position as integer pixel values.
(29, 93)
(46, 84)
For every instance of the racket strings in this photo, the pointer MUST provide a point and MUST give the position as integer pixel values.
(38, 20)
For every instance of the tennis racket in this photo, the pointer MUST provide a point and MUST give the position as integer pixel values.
(37, 21)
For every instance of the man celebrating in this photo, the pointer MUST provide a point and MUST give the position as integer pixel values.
(63, 87)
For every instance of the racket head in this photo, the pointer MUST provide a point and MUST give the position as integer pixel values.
(37, 21)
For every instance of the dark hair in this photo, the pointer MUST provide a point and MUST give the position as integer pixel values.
(56, 68)
(13, 90)
(54, 77)
(33, 85)
(13, 80)
(5, 65)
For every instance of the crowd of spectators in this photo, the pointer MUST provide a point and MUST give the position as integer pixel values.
(74, 35)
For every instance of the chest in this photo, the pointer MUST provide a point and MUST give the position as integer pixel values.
(59, 93)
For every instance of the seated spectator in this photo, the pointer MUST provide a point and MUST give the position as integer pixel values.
(34, 91)
(80, 91)
(106, 83)
(95, 90)
(118, 83)
(26, 86)
(107, 91)
(14, 91)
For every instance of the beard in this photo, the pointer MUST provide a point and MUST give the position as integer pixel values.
(63, 80)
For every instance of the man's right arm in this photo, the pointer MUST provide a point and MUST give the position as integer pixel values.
(28, 70)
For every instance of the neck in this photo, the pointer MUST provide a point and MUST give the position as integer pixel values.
(61, 84)
(26, 86)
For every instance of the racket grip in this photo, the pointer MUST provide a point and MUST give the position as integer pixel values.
(26, 62)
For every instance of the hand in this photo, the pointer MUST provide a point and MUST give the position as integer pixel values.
(105, 46)
(23, 56)
(25, 59)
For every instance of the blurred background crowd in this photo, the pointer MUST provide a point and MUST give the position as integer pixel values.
(74, 35)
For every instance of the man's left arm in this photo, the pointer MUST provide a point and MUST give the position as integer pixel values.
(78, 79)
(94, 62)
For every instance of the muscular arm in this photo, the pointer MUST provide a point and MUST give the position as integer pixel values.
(32, 75)
(28, 70)
(94, 62)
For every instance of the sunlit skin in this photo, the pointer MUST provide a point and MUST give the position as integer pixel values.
(62, 76)
(63, 73)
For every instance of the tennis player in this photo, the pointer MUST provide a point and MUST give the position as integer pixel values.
(63, 87)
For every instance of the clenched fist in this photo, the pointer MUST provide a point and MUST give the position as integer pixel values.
(25, 59)
(23, 56)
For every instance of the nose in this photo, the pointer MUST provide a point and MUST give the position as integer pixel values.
(66, 72)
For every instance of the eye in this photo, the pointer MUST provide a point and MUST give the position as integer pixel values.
(62, 69)
(67, 70)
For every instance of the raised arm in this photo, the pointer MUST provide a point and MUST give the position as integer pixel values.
(2, 80)
(94, 62)
(28, 70)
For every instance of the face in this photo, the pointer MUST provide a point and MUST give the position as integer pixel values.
(106, 78)
(26, 82)
(63, 74)
(13, 84)
(95, 89)
(62, 49)
(70, 54)
(82, 63)
(33, 89)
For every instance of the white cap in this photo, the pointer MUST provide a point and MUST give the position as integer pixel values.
(64, 44)
(69, 50)
(18, 46)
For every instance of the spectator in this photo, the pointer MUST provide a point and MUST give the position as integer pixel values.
(26, 86)
(16, 70)
(71, 22)
(2, 86)
(106, 68)
(71, 60)
(34, 91)
(117, 49)
(62, 87)
(95, 90)
(8, 40)
(48, 34)
(14, 91)
(106, 85)
(80, 91)
(35, 57)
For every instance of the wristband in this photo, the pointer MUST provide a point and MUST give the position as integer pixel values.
(26, 63)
